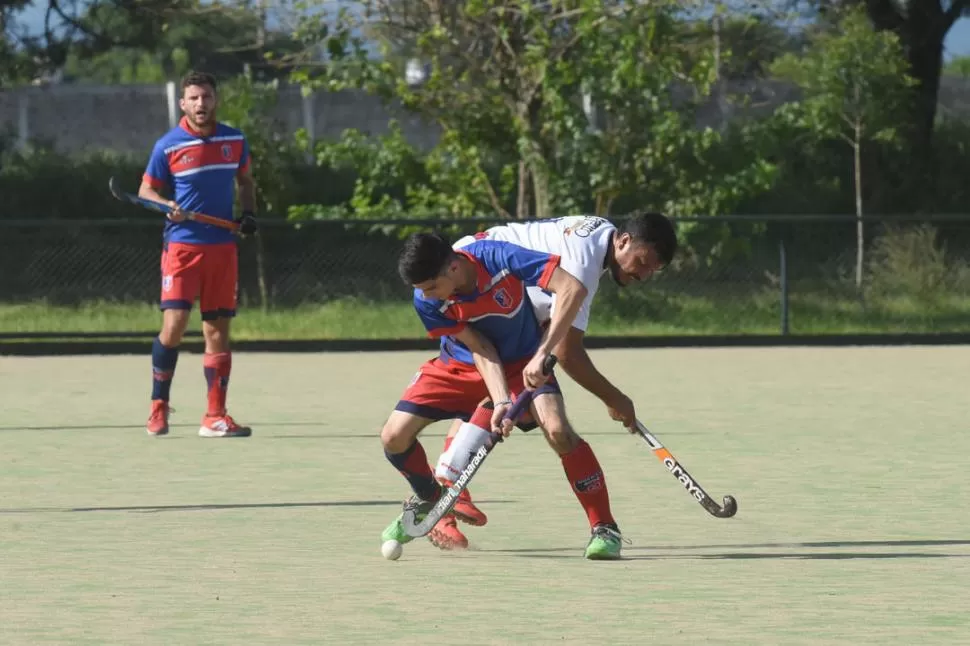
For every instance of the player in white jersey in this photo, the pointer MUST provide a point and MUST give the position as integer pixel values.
(588, 248)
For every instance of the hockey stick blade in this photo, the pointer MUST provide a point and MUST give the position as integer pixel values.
(690, 484)
(449, 497)
(152, 205)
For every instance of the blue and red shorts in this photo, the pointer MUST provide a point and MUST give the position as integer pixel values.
(451, 389)
(207, 272)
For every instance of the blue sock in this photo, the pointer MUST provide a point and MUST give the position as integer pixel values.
(413, 465)
(163, 369)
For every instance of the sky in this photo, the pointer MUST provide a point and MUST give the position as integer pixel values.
(957, 41)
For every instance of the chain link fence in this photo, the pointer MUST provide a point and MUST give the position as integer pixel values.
(734, 274)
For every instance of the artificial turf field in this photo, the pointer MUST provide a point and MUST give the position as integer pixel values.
(850, 467)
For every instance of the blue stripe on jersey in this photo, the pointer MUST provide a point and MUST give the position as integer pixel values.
(498, 309)
(200, 172)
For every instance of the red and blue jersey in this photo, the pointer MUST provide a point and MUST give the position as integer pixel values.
(498, 308)
(200, 172)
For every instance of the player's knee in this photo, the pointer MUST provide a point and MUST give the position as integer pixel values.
(395, 437)
(560, 435)
(216, 334)
(174, 323)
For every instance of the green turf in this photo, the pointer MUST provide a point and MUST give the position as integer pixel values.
(633, 312)
(849, 466)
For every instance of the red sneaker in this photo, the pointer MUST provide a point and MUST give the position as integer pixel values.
(447, 536)
(158, 421)
(222, 426)
(465, 509)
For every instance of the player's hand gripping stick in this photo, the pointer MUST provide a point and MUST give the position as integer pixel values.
(152, 205)
(415, 528)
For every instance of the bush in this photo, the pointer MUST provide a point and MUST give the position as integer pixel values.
(41, 183)
(908, 262)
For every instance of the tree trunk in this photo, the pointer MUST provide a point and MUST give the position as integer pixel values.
(522, 200)
(925, 56)
(604, 201)
(921, 30)
(261, 271)
(860, 238)
(540, 188)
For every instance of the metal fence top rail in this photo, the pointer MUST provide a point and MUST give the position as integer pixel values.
(273, 222)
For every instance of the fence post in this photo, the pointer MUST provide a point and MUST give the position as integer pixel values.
(23, 120)
(173, 104)
(309, 124)
(783, 279)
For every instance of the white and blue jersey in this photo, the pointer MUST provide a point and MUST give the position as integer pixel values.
(498, 309)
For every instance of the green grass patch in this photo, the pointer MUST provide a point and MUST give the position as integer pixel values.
(642, 312)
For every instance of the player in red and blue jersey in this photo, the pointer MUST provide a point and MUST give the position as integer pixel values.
(492, 347)
(200, 163)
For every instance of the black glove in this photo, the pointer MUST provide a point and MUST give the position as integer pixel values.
(247, 223)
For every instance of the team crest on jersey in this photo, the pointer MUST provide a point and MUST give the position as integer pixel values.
(503, 298)
(226, 151)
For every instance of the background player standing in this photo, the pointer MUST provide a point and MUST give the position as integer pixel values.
(199, 163)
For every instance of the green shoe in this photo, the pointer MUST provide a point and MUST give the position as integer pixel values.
(395, 531)
(605, 544)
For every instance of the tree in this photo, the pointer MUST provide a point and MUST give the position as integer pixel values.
(580, 102)
(855, 88)
(142, 40)
(921, 26)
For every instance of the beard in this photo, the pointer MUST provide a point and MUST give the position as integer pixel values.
(202, 120)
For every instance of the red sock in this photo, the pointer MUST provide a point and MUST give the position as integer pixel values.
(217, 367)
(586, 478)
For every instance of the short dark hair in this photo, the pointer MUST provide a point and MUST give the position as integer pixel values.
(199, 78)
(424, 256)
(655, 229)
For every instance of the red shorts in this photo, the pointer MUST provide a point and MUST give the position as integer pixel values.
(207, 272)
(454, 390)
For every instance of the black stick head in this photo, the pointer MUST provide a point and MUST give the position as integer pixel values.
(115, 188)
(730, 507)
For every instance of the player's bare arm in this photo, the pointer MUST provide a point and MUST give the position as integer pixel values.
(576, 362)
(146, 191)
(490, 367)
(246, 186)
(570, 294)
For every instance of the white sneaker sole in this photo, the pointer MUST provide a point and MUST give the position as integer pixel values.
(211, 432)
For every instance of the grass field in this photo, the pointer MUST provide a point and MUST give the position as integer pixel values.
(643, 312)
(849, 466)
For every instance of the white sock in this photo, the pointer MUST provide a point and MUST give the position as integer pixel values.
(464, 445)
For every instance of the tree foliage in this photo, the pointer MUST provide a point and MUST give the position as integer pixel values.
(855, 88)
(546, 107)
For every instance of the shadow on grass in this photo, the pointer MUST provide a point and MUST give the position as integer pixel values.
(806, 556)
(657, 552)
(152, 509)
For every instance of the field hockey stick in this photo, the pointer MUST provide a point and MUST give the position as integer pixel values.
(152, 205)
(692, 486)
(417, 529)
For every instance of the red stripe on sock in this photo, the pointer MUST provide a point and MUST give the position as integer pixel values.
(482, 418)
(221, 364)
(588, 483)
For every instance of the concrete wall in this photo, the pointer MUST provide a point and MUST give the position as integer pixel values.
(131, 117)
